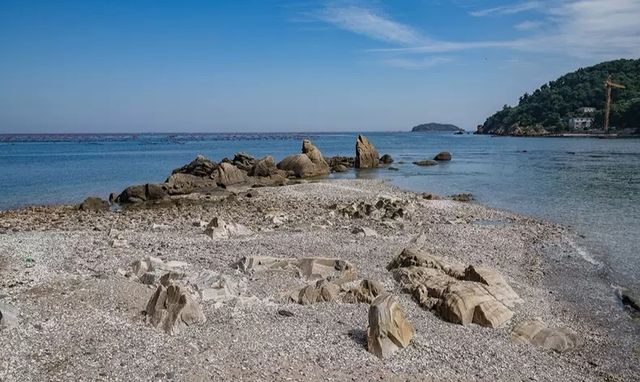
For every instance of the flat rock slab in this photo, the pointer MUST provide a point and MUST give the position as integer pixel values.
(537, 333)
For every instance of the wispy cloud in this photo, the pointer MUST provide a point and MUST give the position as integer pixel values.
(369, 23)
(508, 9)
(528, 25)
(413, 63)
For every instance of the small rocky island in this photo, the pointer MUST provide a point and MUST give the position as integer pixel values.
(436, 128)
(252, 269)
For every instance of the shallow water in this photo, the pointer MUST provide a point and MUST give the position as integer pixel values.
(592, 185)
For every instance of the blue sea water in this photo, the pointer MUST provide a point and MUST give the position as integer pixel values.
(591, 185)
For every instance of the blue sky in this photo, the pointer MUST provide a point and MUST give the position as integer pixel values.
(214, 66)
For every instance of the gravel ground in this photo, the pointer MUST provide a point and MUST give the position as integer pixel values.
(80, 319)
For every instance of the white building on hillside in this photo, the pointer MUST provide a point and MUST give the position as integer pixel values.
(587, 110)
(580, 123)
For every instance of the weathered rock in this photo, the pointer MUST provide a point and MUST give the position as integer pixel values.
(364, 231)
(93, 203)
(460, 301)
(172, 309)
(336, 161)
(462, 197)
(201, 166)
(386, 159)
(629, 298)
(308, 164)
(310, 268)
(537, 333)
(339, 168)
(219, 229)
(366, 154)
(264, 167)
(492, 314)
(229, 175)
(8, 317)
(183, 184)
(425, 163)
(365, 292)
(243, 161)
(494, 284)
(383, 208)
(443, 156)
(150, 269)
(321, 291)
(388, 329)
(143, 193)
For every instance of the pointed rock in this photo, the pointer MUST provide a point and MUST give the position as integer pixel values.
(366, 154)
(388, 330)
(172, 309)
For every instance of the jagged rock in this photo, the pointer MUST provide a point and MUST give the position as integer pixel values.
(364, 231)
(201, 166)
(426, 162)
(321, 291)
(8, 317)
(537, 333)
(143, 193)
(366, 154)
(243, 161)
(462, 197)
(384, 208)
(219, 229)
(229, 175)
(388, 329)
(93, 203)
(365, 292)
(264, 167)
(443, 156)
(183, 184)
(212, 286)
(171, 309)
(457, 293)
(308, 164)
(386, 159)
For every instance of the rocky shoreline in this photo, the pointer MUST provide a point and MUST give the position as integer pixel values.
(231, 279)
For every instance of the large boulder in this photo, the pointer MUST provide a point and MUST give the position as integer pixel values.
(183, 184)
(366, 154)
(228, 175)
(308, 164)
(388, 330)
(321, 291)
(201, 166)
(143, 193)
(93, 203)
(172, 308)
(537, 333)
(266, 173)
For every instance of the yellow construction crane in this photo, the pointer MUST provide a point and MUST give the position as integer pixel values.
(608, 84)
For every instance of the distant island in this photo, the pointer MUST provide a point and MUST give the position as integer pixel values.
(436, 127)
(574, 104)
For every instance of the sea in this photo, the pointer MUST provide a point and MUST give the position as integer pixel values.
(590, 185)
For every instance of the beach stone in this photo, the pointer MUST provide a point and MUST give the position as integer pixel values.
(492, 314)
(388, 329)
(443, 156)
(460, 300)
(386, 159)
(494, 283)
(93, 203)
(149, 270)
(425, 163)
(229, 175)
(537, 333)
(365, 292)
(243, 161)
(143, 193)
(172, 308)
(8, 317)
(219, 229)
(321, 291)
(364, 231)
(366, 154)
(201, 166)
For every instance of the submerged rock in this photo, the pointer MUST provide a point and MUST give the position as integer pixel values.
(425, 163)
(366, 154)
(537, 333)
(443, 156)
(386, 159)
(388, 329)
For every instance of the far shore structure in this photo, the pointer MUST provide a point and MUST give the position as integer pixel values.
(256, 270)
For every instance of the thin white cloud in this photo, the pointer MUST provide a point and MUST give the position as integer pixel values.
(528, 25)
(411, 63)
(509, 9)
(369, 23)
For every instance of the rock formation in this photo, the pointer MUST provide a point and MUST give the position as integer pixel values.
(383, 208)
(201, 166)
(365, 292)
(388, 330)
(309, 268)
(366, 154)
(229, 175)
(243, 161)
(143, 193)
(219, 229)
(93, 203)
(308, 164)
(443, 156)
(425, 163)
(457, 293)
(386, 159)
(171, 309)
(537, 333)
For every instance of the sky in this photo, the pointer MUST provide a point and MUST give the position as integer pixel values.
(90, 66)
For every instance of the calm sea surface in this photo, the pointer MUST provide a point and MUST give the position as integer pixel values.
(592, 185)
